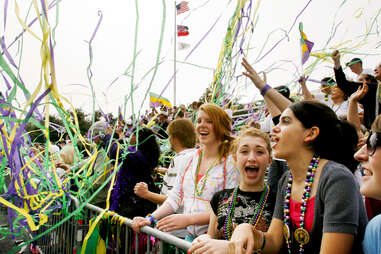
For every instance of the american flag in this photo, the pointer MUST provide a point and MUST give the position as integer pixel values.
(182, 7)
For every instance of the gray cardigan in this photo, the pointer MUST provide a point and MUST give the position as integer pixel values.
(339, 207)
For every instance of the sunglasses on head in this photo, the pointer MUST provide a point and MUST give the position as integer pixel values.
(373, 141)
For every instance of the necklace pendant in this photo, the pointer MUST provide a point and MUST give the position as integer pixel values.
(286, 232)
(302, 236)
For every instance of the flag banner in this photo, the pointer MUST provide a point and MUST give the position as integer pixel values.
(305, 44)
(182, 30)
(182, 7)
(182, 45)
(157, 100)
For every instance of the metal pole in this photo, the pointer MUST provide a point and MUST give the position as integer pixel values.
(174, 60)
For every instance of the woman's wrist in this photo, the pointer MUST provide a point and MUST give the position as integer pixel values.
(265, 89)
(259, 245)
(152, 219)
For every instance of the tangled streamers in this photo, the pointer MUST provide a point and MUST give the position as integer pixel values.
(31, 182)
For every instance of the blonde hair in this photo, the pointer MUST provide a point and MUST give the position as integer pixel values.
(252, 132)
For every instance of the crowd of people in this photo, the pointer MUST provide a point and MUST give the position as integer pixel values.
(310, 185)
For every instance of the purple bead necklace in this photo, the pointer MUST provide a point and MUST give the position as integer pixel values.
(301, 235)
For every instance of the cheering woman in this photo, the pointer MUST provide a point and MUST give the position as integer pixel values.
(210, 169)
(319, 208)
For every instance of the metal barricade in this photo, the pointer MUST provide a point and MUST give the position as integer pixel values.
(129, 246)
(69, 237)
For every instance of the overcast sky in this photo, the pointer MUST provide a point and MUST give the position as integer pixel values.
(113, 45)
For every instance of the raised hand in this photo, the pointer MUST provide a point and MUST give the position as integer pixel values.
(141, 189)
(336, 58)
(360, 93)
(302, 81)
(252, 74)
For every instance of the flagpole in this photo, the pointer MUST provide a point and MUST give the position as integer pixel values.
(174, 60)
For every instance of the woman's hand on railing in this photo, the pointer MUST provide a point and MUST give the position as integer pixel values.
(204, 243)
(173, 222)
(139, 222)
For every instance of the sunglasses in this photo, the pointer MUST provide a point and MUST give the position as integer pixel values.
(373, 141)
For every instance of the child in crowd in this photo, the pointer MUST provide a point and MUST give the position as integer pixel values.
(251, 202)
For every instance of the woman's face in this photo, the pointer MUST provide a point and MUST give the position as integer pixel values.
(288, 136)
(252, 158)
(371, 165)
(337, 93)
(205, 129)
(362, 78)
(326, 89)
(133, 139)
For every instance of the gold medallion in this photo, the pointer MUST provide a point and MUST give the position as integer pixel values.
(286, 232)
(301, 236)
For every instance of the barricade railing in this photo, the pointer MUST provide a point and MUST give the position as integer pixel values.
(179, 244)
(69, 237)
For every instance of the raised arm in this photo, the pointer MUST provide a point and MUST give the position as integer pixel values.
(353, 116)
(271, 96)
(347, 86)
(306, 93)
(141, 190)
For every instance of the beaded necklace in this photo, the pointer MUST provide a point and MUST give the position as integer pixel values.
(199, 192)
(257, 213)
(301, 235)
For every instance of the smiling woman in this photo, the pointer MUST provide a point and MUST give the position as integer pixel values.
(370, 157)
(209, 170)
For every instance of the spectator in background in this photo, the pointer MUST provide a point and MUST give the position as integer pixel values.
(162, 125)
(370, 101)
(326, 89)
(136, 167)
(356, 67)
(377, 72)
(182, 137)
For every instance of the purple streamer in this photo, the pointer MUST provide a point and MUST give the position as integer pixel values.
(54, 3)
(44, 10)
(276, 44)
(6, 53)
(91, 40)
(97, 27)
(5, 13)
(6, 81)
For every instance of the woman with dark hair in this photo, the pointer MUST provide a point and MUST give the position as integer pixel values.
(319, 208)
(137, 166)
